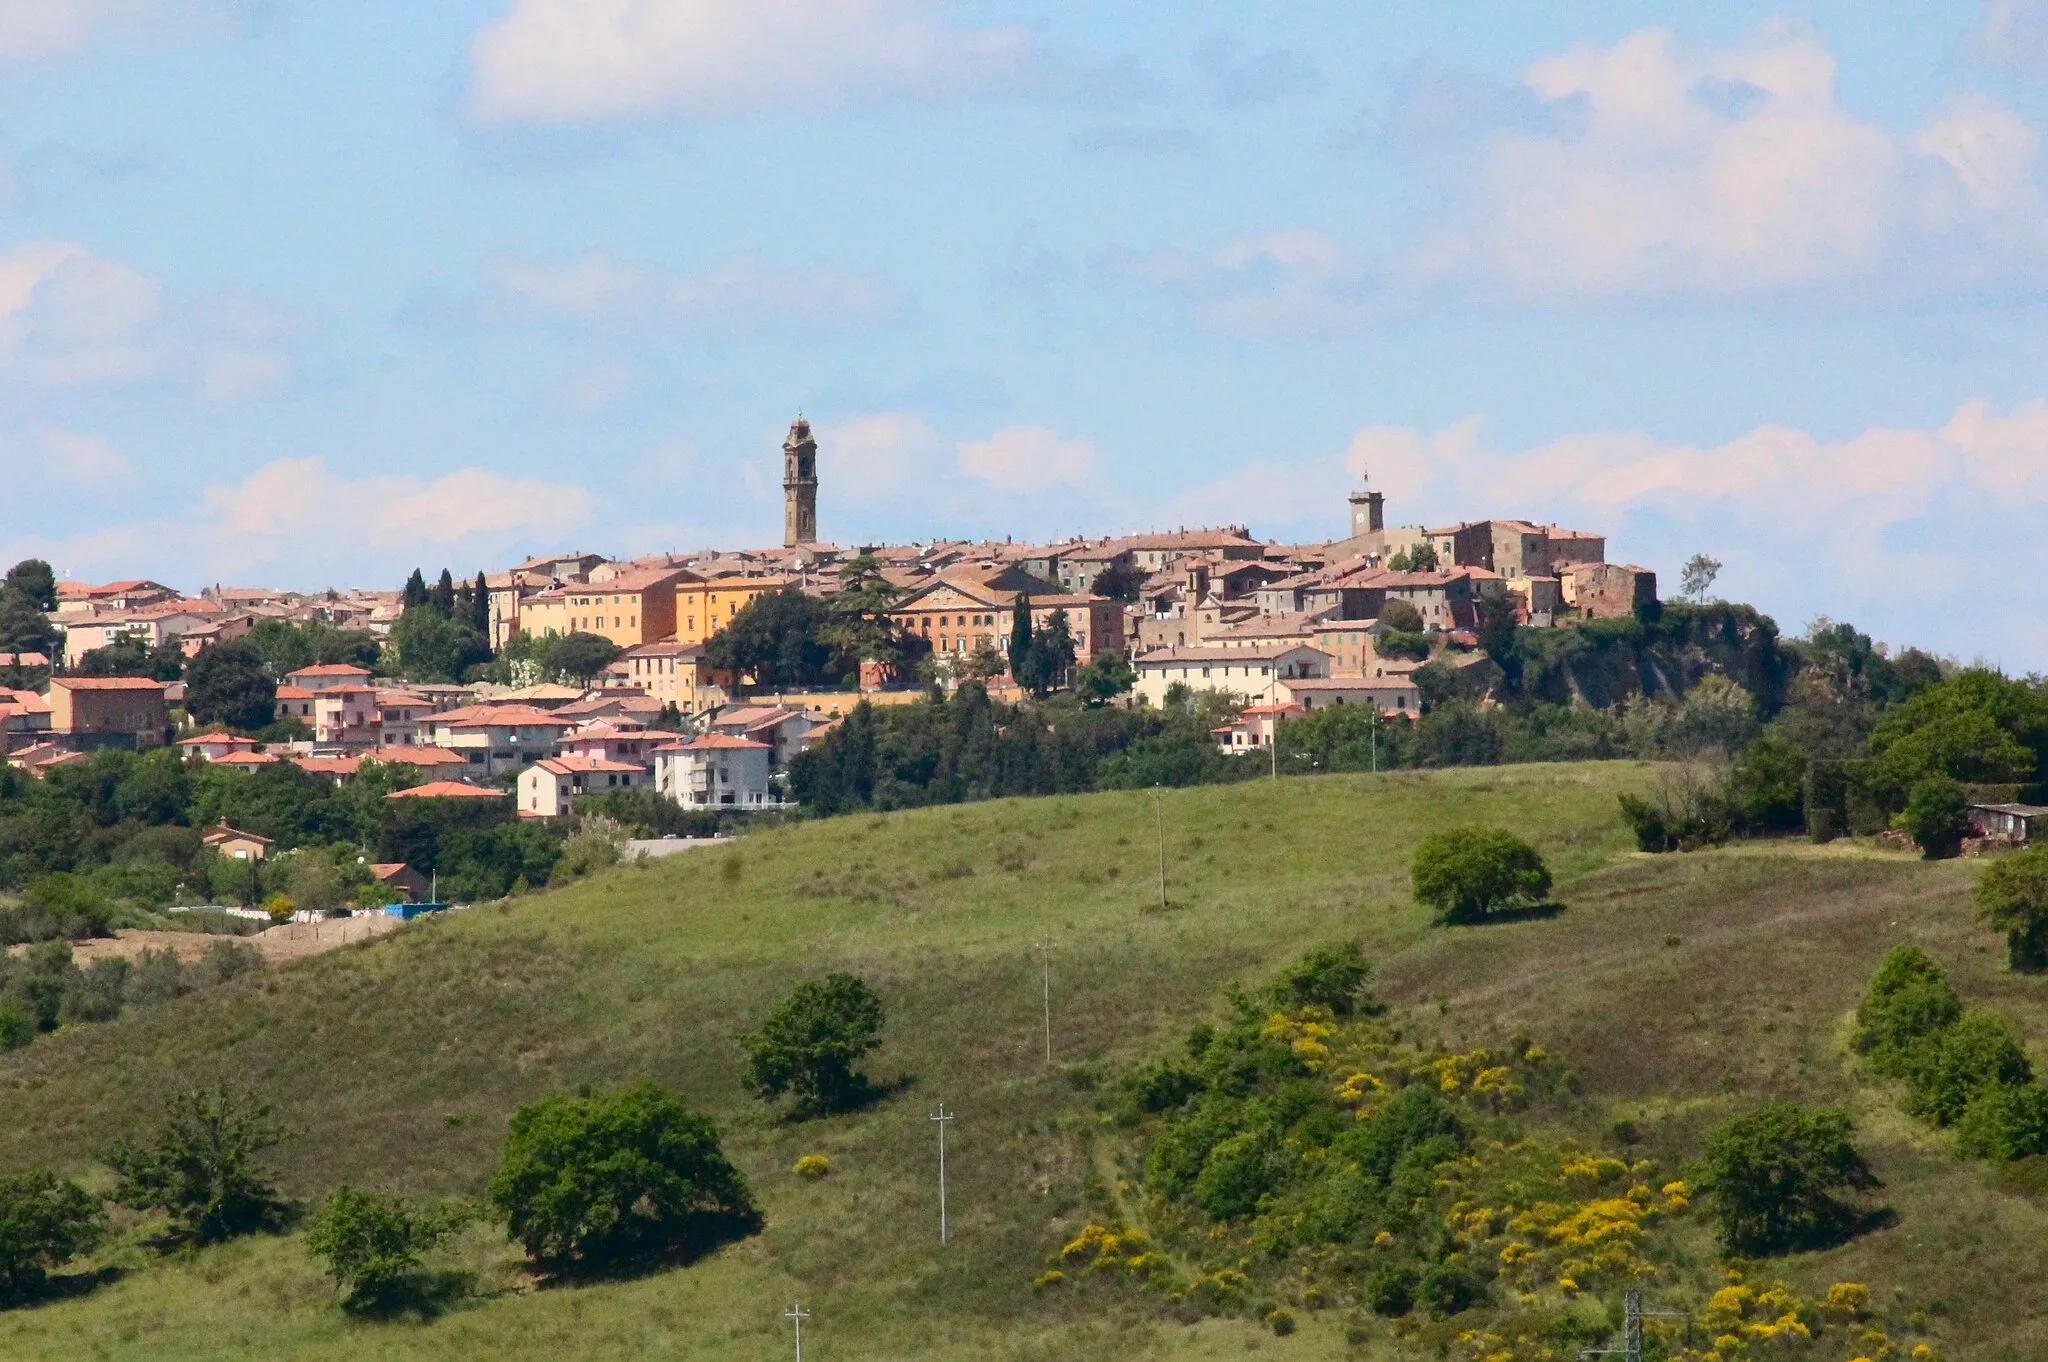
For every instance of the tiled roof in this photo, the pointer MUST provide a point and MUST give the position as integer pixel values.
(446, 789)
(331, 669)
(712, 742)
(107, 683)
(1255, 654)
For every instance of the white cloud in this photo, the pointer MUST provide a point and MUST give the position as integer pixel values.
(1261, 284)
(72, 460)
(1649, 166)
(877, 456)
(1894, 528)
(2015, 33)
(741, 296)
(588, 60)
(300, 503)
(1027, 458)
(32, 29)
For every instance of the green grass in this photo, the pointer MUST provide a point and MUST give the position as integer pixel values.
(397, 1064)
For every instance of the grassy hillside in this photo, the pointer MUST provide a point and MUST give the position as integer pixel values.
(1679, 987)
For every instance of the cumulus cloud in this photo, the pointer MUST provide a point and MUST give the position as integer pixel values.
(31, 29)
(741, 296)
(1889, 526)
(878, 456)
(1027, 458)
(1651, 166)
(302, 501)
(589, 60)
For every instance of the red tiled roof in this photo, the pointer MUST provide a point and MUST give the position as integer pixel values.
(107, 683)
(569, 766)
(712, 741)
(446, 789)
(331, 669)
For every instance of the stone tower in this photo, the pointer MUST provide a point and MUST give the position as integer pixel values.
(1368, 509)
(799, 485)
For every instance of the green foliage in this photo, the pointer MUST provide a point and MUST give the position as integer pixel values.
(2012, 896)
(2006, 1122)
(1773, 1175)
(75, 904)
(1977, 1052)
(1401, 617)
(1936, 816)
(134, 657)
(596, 1183)
(1403, 644)
(1334, 977)
(202, 1166)
(284, 646)
(226, 685)
(1977, 726)
(375, 1245)
(431, 645)
(17, 1027)
(1041, 664)
(777, 640)
(810, 1044)
(1107, 675)
(1463, 874)
(1909, 1003)
(28, 592)
(45, 1222)
(35, 581)
(1119, 582)
(1767, 786)
(580, 656)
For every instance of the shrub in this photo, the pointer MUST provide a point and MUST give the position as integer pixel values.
(1936, 817)
(1909, 1002)
(1446, 1289)
(376, 1245)
(2006, 1123)
(1281, 1321)
(1465, 873)
(44, 1223)
(201, 1166)
(1401, 616)
(1336, 977)
(812, 1166)
(1773, 1174)
(2012, 896)
(592, 1183)
(1980, 1051)
(1390, 1291)
(811, 1042)
(17, 1028)
(1647, 824)
(96, 993)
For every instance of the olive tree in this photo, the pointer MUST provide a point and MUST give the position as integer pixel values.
(1464, 874)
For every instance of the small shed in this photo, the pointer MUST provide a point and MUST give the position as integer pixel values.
(2015, 822)
(401, 877)
(236, 845)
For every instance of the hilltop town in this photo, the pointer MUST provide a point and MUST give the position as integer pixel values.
(1272, 630)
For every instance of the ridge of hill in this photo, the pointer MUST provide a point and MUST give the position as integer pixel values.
(1679, 988)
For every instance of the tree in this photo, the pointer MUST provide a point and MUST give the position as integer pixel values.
(34, 579)
(415, 593)
(134, 657)
(582, 655)
(1697, 575)
(375, 1245)
(1120, 581)
(24, 628)
(777, 639)
(433, 647)
(45, 1222)
(1499, 635)
(1979, 1052)
(226, 684)
(202, 1166)
(1937, 815)
(1465, 873)
(1052, 654)
(1023, 666)
(2012, 896)
(598, 1182)
(443, 597)
(1401, 616)
(1773, 1174)
(2006, 1123)
(811, 1042)
(1337, 977)
(480, 606)
(1107, 675)
(1909, 1003)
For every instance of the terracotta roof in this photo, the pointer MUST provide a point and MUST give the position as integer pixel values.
(294, 693)
(446, 789)
(24, 660)
(388, 870)
(499, 716)
(107, 683)
(417, 756)
(245, 759)
(1254, 654)
(331, 669)
(710, 742)
(1348, 683)
(569, 766)
(221, 832)
(328, 766)
(205, 739)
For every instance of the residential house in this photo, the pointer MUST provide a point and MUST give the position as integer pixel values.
(550, 788)
(399, 715)
(495, 738)
(37, 758)
(80, 598)
(614, 740)
(1253, 673)
(212, 747)
(783, 729)
(1151, 552)
(1598, 591)
(24, 719)
(401, 878)
(448, 789)
(708, 604)
(245, 761)
(327, 676)
(1254, 727)
(294, 702)
(346, 716)
(1391, 694)
(714, 770)
(108, 711)
(673, 673)
(635, 607)
(234, 844)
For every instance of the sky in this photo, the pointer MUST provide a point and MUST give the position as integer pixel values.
(306, 295)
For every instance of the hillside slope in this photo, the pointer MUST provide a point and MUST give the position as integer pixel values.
(1679, 987)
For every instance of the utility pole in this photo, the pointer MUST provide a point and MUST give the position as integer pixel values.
(1159, 809)
(1632, 1317)
(942, 1117)
(1045, 960)
(799, 1314)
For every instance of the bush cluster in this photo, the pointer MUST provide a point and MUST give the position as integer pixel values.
(43, 989)
(1962, 1067)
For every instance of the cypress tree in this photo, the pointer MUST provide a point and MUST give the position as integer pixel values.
(415, 590)
(480, 603)
(1022, 667)
(444, 593)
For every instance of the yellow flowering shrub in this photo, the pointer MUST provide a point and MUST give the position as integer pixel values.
(1849, 1297)
(812, 1166)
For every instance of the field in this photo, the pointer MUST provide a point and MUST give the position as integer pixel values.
(1680, 989)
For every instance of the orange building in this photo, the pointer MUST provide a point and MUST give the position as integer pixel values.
(631, 609)
(703, 607)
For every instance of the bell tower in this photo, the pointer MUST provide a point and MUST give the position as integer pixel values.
(1368, 509)
(799, 485)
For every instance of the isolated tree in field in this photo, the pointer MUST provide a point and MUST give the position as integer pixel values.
(45, 1222)
(226, 684)
(1773, 1175)
(1337, 977)
(1908, 1004)
(2006, 1123)
(1936, 817)
(1697, 575)
(1463, 874)
(375, 1245)
(2012, 896)
(203, 1166)
(1978, 1053)
(591, 1184)
(811, 1042)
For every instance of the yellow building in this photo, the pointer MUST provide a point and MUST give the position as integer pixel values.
(631, 609)
(702, 607)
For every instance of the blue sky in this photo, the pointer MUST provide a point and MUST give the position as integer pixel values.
(308, 294)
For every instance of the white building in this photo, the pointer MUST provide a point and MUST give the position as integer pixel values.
(550, 788)
(1393, 694)
(1253, 674)
(714, 771)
